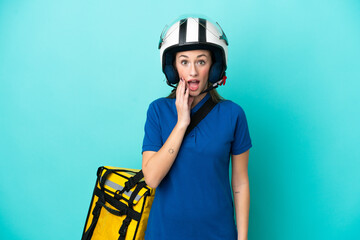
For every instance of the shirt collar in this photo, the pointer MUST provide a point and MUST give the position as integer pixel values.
(199, 104)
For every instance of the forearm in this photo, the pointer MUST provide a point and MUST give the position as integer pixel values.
(242, 206)
(159, 164)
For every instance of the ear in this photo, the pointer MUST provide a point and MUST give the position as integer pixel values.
(216, 72)
(169, 69)
(171, 74)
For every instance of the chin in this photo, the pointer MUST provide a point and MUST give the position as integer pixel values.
(194, 94)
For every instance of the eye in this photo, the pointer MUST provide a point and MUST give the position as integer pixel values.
(183, 62)
(201, 62)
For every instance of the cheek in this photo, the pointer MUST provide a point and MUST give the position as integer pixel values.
(205, 72)
(180, 70)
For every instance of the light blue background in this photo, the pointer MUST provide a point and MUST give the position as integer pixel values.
(76, 78)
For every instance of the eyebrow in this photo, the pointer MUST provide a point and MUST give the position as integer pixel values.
(201, 55)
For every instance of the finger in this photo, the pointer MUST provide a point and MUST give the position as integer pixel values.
(178, 89)
(189, 98)
(178, 86)
(181, 86)
(180, 93)
(187, 89)
(186, 95)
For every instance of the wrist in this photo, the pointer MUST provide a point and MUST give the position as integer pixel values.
(181, 126)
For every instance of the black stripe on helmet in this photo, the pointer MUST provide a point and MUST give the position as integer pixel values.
(182, 31)
(202, 30)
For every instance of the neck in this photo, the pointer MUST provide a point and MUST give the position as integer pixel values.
(197, 99)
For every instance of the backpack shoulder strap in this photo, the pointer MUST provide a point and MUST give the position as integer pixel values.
(200, 115)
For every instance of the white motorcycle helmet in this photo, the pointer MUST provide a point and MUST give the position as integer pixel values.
(190, 34)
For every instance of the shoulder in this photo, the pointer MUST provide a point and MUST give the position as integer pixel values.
(231, 107)
(161, 106)
(160, 102)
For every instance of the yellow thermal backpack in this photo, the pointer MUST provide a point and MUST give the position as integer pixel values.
(120, 205)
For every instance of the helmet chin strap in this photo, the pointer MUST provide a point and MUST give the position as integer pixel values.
(171, 85)
(215, 85)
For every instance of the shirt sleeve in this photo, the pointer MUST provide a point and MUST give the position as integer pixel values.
(152, 138)
(242, 141)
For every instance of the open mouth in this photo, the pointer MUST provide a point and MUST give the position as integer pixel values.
(193, 85)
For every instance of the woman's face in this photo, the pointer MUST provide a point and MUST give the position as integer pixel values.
(193, 66)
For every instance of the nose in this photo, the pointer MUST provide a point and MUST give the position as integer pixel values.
(193, 70)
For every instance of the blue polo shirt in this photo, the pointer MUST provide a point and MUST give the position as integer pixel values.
(194, 200)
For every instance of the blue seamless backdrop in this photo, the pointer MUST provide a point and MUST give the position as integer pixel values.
(76, 79)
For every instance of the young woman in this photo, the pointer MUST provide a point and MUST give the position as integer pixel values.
(191, 174)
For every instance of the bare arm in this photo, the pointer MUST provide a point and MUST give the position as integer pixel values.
(241, 191)
(156, 165)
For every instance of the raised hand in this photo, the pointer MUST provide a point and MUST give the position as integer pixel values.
(183, 103)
